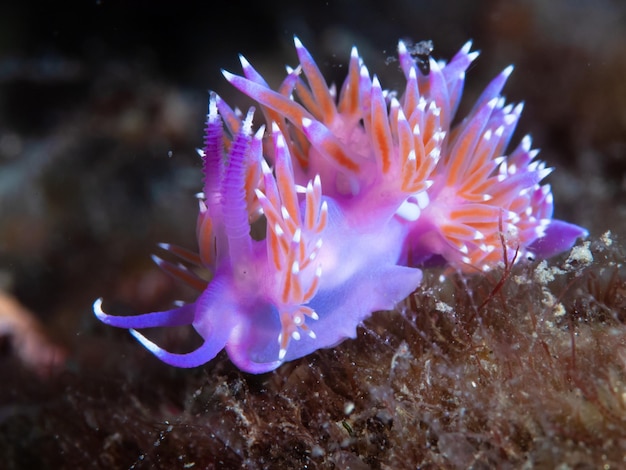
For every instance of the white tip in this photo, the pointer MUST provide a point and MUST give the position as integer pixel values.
(281, 354)
(545, 172)
(145, 342)
(244, 62)
(466, 47)
(280, 140)
(295, 268)
(435, 66)
(435, 154)
(259, 133)
(97, 308)
(510, 119)
(259, 194)
(364, 72)
(227, 75)
(422, 199)
(247, 123)
(408, 211)
(297, 236)
(265, 168)
(508, 71)
(439, 135)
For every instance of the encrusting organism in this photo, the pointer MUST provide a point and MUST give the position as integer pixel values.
(358, 187)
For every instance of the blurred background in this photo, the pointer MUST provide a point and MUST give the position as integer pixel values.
(102, 105)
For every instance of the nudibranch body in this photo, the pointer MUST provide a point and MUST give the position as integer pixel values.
(356, 188)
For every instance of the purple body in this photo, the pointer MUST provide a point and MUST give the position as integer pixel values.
(357, 187)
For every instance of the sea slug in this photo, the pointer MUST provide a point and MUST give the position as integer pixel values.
(356, 188)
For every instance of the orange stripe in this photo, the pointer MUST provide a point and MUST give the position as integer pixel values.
(382, 141)
(475, 213)
(338, 155)
(323, 219)
(306, 98)
(309, 211)
(312, 290)
(411, 96)
(458, 231)
(320, 90)
(380, 129)
(407, 176)
(274, 250)
(272, 216)
(296, 290)
(351, 100)
(302, 255)
(286, 326)
(286, 288)
(431, 125)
